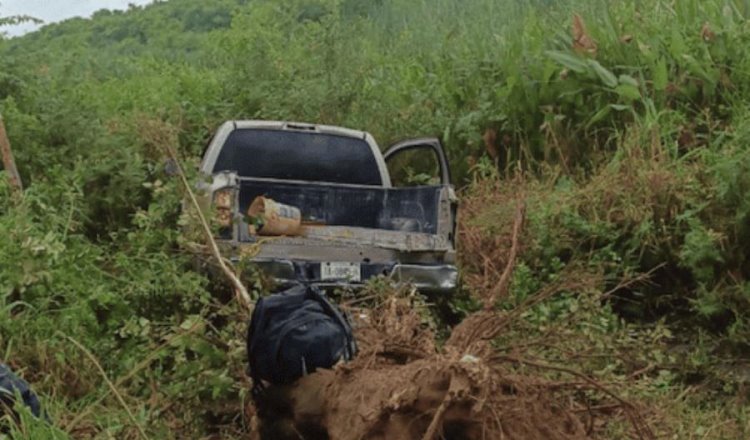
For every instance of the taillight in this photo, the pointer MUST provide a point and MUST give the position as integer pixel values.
(223, 203)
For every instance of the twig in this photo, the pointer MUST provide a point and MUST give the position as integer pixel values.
(240, 291)
(641, 427)
(121, 381)
(601, 408)
(586, 378)
(437, 419)
(627, 282)
(9, 164)
(642, 371)
(111, 386)
(502, 286)
(488, 324)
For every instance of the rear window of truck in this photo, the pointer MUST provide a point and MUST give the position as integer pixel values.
(290, 155)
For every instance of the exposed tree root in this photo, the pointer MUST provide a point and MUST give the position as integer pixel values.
(401, 387)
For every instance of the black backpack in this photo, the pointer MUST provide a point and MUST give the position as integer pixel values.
(10, 384)
(294, 333)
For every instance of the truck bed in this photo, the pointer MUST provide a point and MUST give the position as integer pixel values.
(413, 210)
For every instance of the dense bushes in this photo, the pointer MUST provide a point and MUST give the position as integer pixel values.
(454, 70)
(629, 124)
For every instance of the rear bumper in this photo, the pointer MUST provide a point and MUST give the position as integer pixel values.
(434, 279)
(439, 278)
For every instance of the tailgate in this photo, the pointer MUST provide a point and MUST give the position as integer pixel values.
(365, 237)
(343, 243)
(426, 261)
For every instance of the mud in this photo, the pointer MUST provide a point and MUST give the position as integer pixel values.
(460, 399)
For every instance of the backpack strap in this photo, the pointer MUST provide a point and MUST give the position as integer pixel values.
(252, 370)
(351, 346)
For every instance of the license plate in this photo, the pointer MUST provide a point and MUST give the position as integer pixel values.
(340, 271)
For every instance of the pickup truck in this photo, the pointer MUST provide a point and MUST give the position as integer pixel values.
(366, 213)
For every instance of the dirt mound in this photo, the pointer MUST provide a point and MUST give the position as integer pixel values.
(400, 387)
(458, 399)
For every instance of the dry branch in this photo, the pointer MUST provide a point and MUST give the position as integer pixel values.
(641, 427)
(501, 289)
(70, 427)
(111, 386)
(9, 164)
(627, 282)
(240, 291)
(437, 419)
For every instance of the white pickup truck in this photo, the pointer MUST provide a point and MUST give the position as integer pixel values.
(369, 213)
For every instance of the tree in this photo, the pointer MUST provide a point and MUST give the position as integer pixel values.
(13, 20)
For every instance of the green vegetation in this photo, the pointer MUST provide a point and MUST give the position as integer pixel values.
(627, 138)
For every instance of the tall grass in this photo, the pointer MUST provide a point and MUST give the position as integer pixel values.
(455, 69)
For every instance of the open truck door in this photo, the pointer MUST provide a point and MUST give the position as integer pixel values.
(417, 162)
(422, 162)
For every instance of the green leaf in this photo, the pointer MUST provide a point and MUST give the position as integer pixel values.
(600, 115)
(608, 78)
(604, 112)
(696, 68)
(569, 61)
(661, 75)
(627, 79)
(628, 91)
(677, 46)
(620, 107)
(548, 72)
(645, 50)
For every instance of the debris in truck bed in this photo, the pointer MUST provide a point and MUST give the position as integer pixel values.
(271, 218)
